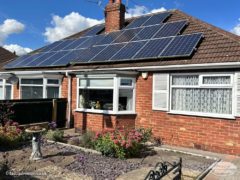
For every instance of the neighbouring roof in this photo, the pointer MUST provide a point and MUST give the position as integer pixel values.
(217, 46)
(5, 57)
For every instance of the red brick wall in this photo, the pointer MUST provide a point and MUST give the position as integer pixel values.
(64, 88)
(16, 91)
(218, 135)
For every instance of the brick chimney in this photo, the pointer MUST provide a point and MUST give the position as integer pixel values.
(114, 15)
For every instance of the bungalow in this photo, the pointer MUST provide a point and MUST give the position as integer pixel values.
(167, 71)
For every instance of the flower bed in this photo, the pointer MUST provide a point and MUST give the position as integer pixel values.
(10, 134)
(121, 143)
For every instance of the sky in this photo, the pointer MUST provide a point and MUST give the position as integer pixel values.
(26, 25)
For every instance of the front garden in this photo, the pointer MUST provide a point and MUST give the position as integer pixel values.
(120, 153)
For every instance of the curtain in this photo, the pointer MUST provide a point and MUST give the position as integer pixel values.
(217, 80)
(205, 100)
(185, 80)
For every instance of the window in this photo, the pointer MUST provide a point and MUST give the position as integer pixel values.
(107, 95)
(202, 94)
(39, 88)
(52, 88)
(5, 89)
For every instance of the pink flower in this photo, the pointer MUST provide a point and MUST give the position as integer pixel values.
(115, 141)
(14, 124)
(128, 145)
(123, 143)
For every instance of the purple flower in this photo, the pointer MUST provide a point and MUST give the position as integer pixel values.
(52, 125)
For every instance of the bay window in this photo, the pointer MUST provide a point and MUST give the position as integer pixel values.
(106, 94)
(5, 89)
(202, 94)
(37, 88)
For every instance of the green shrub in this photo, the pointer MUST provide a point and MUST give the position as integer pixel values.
(55, 135)
(122, 143)
(86, 140)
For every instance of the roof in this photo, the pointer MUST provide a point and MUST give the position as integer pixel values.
(217, 46)
(5, 57)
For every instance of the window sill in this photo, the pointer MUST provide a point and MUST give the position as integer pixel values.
(199, 114)
(95, 111)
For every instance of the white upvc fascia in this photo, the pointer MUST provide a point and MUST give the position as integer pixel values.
(32, 76)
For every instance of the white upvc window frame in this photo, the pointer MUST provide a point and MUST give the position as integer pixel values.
(4, 84)
(44, 85)
(207, 86)
(116, 86)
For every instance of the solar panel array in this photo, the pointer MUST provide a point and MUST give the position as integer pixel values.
(145, 38)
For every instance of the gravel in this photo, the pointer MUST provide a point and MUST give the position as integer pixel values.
(84, 164)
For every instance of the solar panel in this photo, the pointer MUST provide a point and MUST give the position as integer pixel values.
(62, 45)
(128, 51)
(182, 45)
(171, 29)
(16, 61)
(28, 60)
(138, 22)
(75, 43)
(108, 52)
(109, 38)
(91, 41)
(94, 30)
(69, 57)
(52, 59)
(156, 19)
(147, 32)
(127, 35)
(153, 48)
(44, 57)
(88, 54)
(50, 46)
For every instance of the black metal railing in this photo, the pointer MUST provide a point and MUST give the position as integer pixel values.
(30, 111)
(163, 169)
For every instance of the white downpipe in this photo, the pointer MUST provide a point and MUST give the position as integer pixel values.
(69, 99)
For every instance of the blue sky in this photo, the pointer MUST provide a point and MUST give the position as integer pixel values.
(38, 22)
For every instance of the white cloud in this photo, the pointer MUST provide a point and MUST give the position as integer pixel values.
(141, 10)
(236, 29)
(18, 49)
(10, 26)
(74, 22)
(70, 24)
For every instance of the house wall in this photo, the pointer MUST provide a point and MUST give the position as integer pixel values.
(211, 134)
